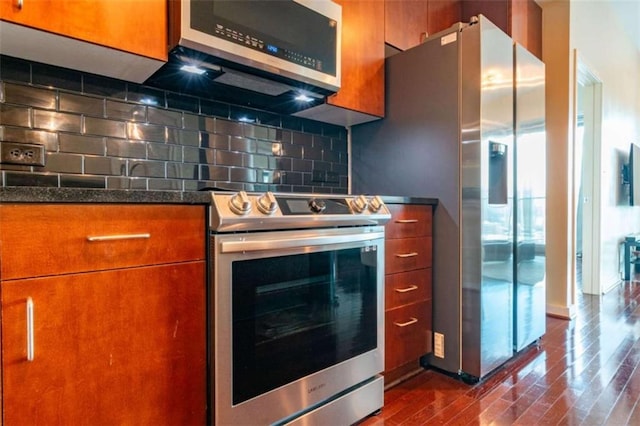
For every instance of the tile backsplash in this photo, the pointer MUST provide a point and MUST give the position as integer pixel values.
(104, 133)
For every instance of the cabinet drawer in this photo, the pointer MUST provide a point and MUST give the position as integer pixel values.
(407, 287)
(407, 334)
(52, 239)
(408, 220)
(407, 254)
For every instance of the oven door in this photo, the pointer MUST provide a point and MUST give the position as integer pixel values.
(298, 319)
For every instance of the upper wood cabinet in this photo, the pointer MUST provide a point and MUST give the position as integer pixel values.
(408, 22)
(521, 19)
(362, 87)
(136, 26)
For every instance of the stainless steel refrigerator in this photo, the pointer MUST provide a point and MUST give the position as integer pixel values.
(448, 132)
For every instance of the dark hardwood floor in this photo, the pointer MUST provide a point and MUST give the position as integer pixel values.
(583, 372)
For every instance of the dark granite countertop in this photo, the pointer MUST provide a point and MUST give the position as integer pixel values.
(80, 195)
(393, 199)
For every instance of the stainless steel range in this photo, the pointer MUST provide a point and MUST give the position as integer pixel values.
(297, 313)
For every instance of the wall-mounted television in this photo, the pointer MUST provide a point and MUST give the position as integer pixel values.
(633, 175)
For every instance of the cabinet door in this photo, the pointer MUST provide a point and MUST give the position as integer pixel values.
(123, 346)
(362, 86)
(136, 26)
(405, 22)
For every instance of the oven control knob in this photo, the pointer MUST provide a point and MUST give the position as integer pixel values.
(317, 206)
(267, 203)
(359, 203)
(375, 204)
(240, 203)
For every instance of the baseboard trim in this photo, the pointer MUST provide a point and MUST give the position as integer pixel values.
(562, 312)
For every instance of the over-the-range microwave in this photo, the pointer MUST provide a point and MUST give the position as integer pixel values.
(265, 46)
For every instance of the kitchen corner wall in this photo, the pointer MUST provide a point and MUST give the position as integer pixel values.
(104, 133)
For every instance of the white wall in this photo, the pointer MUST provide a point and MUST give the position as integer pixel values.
(593, 29)
(606, 46)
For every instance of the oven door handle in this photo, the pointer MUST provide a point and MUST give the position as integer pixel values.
(283, 243)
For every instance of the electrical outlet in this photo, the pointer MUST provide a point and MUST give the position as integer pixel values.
(438, 345)
(22, 153)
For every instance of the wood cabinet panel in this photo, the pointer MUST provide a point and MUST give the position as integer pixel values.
(53, 239)
(405, 22)
(443, 14)
(407, 254)
(115, 347)
(408, 220)
(362, 86)
(407, 287)
(136, 26)
(407, 334)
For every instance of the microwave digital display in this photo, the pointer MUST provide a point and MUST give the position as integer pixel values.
(281, 28)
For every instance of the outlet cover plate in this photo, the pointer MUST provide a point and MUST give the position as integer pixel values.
(25, 154)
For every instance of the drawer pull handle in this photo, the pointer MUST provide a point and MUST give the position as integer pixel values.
(404, 324)
(413, 254)
(407, 289)
(31, 345)
(118, 237)
(19, 4)
(407, 221)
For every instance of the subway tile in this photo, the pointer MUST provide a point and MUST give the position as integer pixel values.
(104, 127)
(215, 173)
(119, 182)
(311, 126)
(165, 185)
(186, 137)
(30, 179)
(216, 109)
(339, 145)
(146, 132)
(228, 158)
(284, 164)
(242, 144)
(192, 185)
(293, 151)
(104, 86)
(212, 140)
(63, 163)
(302, 165)
(241, 174)
(227, 127)
(330, 156)
(15, 167)
(341, 169)
(311, 153)
(284, 136)
(81, 104)
(14, 69)
(182, 171)
(57, 121)
(268, 148)
(83, 181)
(302, 139)
(164, 117)
(321, 165)
(208, 156)
(146, 95)
(321, 142)
(126, 148)
(166, 152)
(82, 144)
(61, 78)
(292, 123)
(334, 131)
(28, 95)
(183, 102)
(105, 166)
(12, 115)
(193, 121)
(256, 161)
(17, 134)
(146, 168)
(193, 155)
(292, 178)
(173, 135)
(125, 111)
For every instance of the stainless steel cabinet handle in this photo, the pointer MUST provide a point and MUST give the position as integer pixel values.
(118, 237)
(19, 4)
(413, 254)
(31, 346)
(404, 324)
(406, 289)
(407, 221)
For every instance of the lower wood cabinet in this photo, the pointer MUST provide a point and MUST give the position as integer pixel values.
(408, 296)
(121, 345)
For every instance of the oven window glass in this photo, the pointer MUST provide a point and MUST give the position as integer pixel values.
(295, 315)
